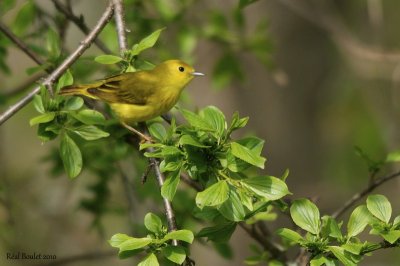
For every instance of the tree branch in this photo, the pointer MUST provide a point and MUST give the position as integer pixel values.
(373, 185)
(85, 44)
(22, 46)
(339, 33)
(264, 241)
(169, 211)
(120, 23)
(80, 23)
(263, 238)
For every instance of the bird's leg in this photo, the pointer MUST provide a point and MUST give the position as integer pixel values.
(140, 134)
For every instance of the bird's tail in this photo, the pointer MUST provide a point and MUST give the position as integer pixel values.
(83, 90)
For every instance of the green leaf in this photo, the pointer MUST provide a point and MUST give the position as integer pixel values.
(215, 118)
(237, 122)
(53, 43)
(393, 156)
(158, 131)
(358, 220)
(153, 223)
(65, 80)
(117, 239)
(380, 207)
(219, 233)
(354, 248)
(321, 260)
(89, 117)
(392, 236)
(149, 260)
(247, 155)
(207, 213)
(285, 175)
(44, 134)
(290, 235)
(252, 143)
(246, 198)
(213, 195)
(108, 59)
(182, 235)
(24, 18)
(90, 132)
(268, 187)
(38, 104)
(71, 156)
(232, 209)
(189, 140)
(146, 42)
(170, 166)
(170, 185)
(175, 254)
(196, 121)
(340, 253)
(146, 145)
(73, 103)
(305, 215)
(261, 216)
(170, 151)
(330, 227)
(46, 117)
(396, 222)
(134, 243)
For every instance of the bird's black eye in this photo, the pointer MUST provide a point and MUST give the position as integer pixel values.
(181, 69)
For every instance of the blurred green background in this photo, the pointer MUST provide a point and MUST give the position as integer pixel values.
(316, 78)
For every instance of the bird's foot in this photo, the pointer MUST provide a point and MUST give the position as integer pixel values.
(144, 138)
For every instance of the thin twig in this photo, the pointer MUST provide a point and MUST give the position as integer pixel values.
(302, 258)
(169, 211)
(82, 257)
(120, 23)
(275, 251)
(262, 238)
(85, 44)
(190, 182)
(21, 45)
(363, 193)
(80, 23)
(339, 33)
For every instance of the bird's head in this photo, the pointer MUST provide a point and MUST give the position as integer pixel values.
(177, 72)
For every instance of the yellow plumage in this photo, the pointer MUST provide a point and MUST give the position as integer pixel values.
(139, 96)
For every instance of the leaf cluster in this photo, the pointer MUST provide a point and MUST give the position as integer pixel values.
(158, 241)
(205, 149)
(326, 242)
(69, 119)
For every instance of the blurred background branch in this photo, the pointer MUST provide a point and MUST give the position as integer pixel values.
(56, 73)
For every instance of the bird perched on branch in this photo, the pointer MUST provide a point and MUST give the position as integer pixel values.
(142, 95)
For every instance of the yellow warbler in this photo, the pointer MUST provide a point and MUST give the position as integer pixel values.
(142, 95)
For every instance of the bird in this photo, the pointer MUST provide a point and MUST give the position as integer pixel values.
(139, 96)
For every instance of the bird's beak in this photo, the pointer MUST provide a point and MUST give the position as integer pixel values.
(197, 74)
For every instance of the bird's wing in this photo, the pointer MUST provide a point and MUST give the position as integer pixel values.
(130, 88)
